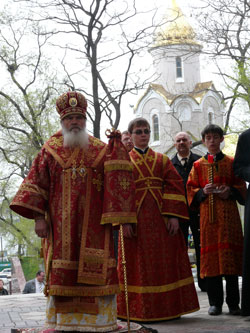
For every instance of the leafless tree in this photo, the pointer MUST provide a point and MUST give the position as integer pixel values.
(98, 50)
(225, 27)
(27, 93)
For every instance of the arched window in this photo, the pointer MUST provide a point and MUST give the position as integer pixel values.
(210, 115)
(210, 118)
(156, 128)
(184, 111)
(178, 68)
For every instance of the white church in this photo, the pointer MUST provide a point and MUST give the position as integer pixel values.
(178, 100)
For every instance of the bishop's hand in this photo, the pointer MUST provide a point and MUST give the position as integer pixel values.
(41, 228)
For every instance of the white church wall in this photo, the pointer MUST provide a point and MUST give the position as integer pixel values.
(149, 107)
(150, 101)
(213, 109)
(189, 115)
(185, 114)
(165, 64)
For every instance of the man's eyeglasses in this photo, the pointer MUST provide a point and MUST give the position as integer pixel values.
(139, 131)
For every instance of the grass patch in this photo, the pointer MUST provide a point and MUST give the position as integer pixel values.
(31, 265)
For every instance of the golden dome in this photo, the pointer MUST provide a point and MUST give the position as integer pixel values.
(176, 30)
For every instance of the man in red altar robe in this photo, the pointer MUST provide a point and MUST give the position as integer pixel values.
(214, 189)
(76, 189)
(160, 282)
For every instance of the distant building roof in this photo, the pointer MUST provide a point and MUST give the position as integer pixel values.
(197, 94)
(175, 30)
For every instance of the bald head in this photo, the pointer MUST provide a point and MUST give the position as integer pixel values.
(183, 134)
(183, 143)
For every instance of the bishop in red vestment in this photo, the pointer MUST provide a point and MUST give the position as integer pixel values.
(76, 189)
(160, 282)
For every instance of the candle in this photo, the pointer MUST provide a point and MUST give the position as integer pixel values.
(210, 158)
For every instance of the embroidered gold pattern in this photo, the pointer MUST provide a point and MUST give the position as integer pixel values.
(86, 291)
(139, 162)
(66, 226)
(96, 142)
(148, 182)
(124, 183)
(177, 197)
(117, 219)
(159, 289)
(98, 182)
(80, 170)
(34, 189)
(76, 305)
(73, 265)
(56, 142)
(65, 264)
(117, 165)
(150, 158)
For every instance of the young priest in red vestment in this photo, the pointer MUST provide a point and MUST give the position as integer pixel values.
(160, 282)
(214, 189)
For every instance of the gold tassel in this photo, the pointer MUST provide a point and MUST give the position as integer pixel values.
(211, 196)
(125, 275)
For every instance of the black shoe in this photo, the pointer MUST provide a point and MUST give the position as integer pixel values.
(145, 329)
(215, 310)
(235, 311)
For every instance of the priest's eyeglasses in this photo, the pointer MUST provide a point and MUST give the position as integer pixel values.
(140, 132)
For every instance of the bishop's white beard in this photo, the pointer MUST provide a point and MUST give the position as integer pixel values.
(73, 139)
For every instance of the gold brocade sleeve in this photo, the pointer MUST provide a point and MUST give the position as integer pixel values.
(173, 202)
(119, 187)
(200, 176)
(32, 195)
(193, 186)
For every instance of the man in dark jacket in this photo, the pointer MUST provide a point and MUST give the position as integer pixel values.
(242, 170)
(183, 162)
(36, 285)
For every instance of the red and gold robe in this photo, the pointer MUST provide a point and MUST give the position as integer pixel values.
(81, 193)
(221, 238)
(160, 282)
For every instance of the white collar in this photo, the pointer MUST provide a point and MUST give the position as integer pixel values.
(180, 157)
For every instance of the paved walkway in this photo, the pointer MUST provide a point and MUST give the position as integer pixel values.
(28, 311)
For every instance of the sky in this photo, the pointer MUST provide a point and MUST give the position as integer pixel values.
(206, 65)
(162, 5)
(186, 5)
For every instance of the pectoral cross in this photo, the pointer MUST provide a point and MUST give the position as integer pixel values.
(80, 170)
